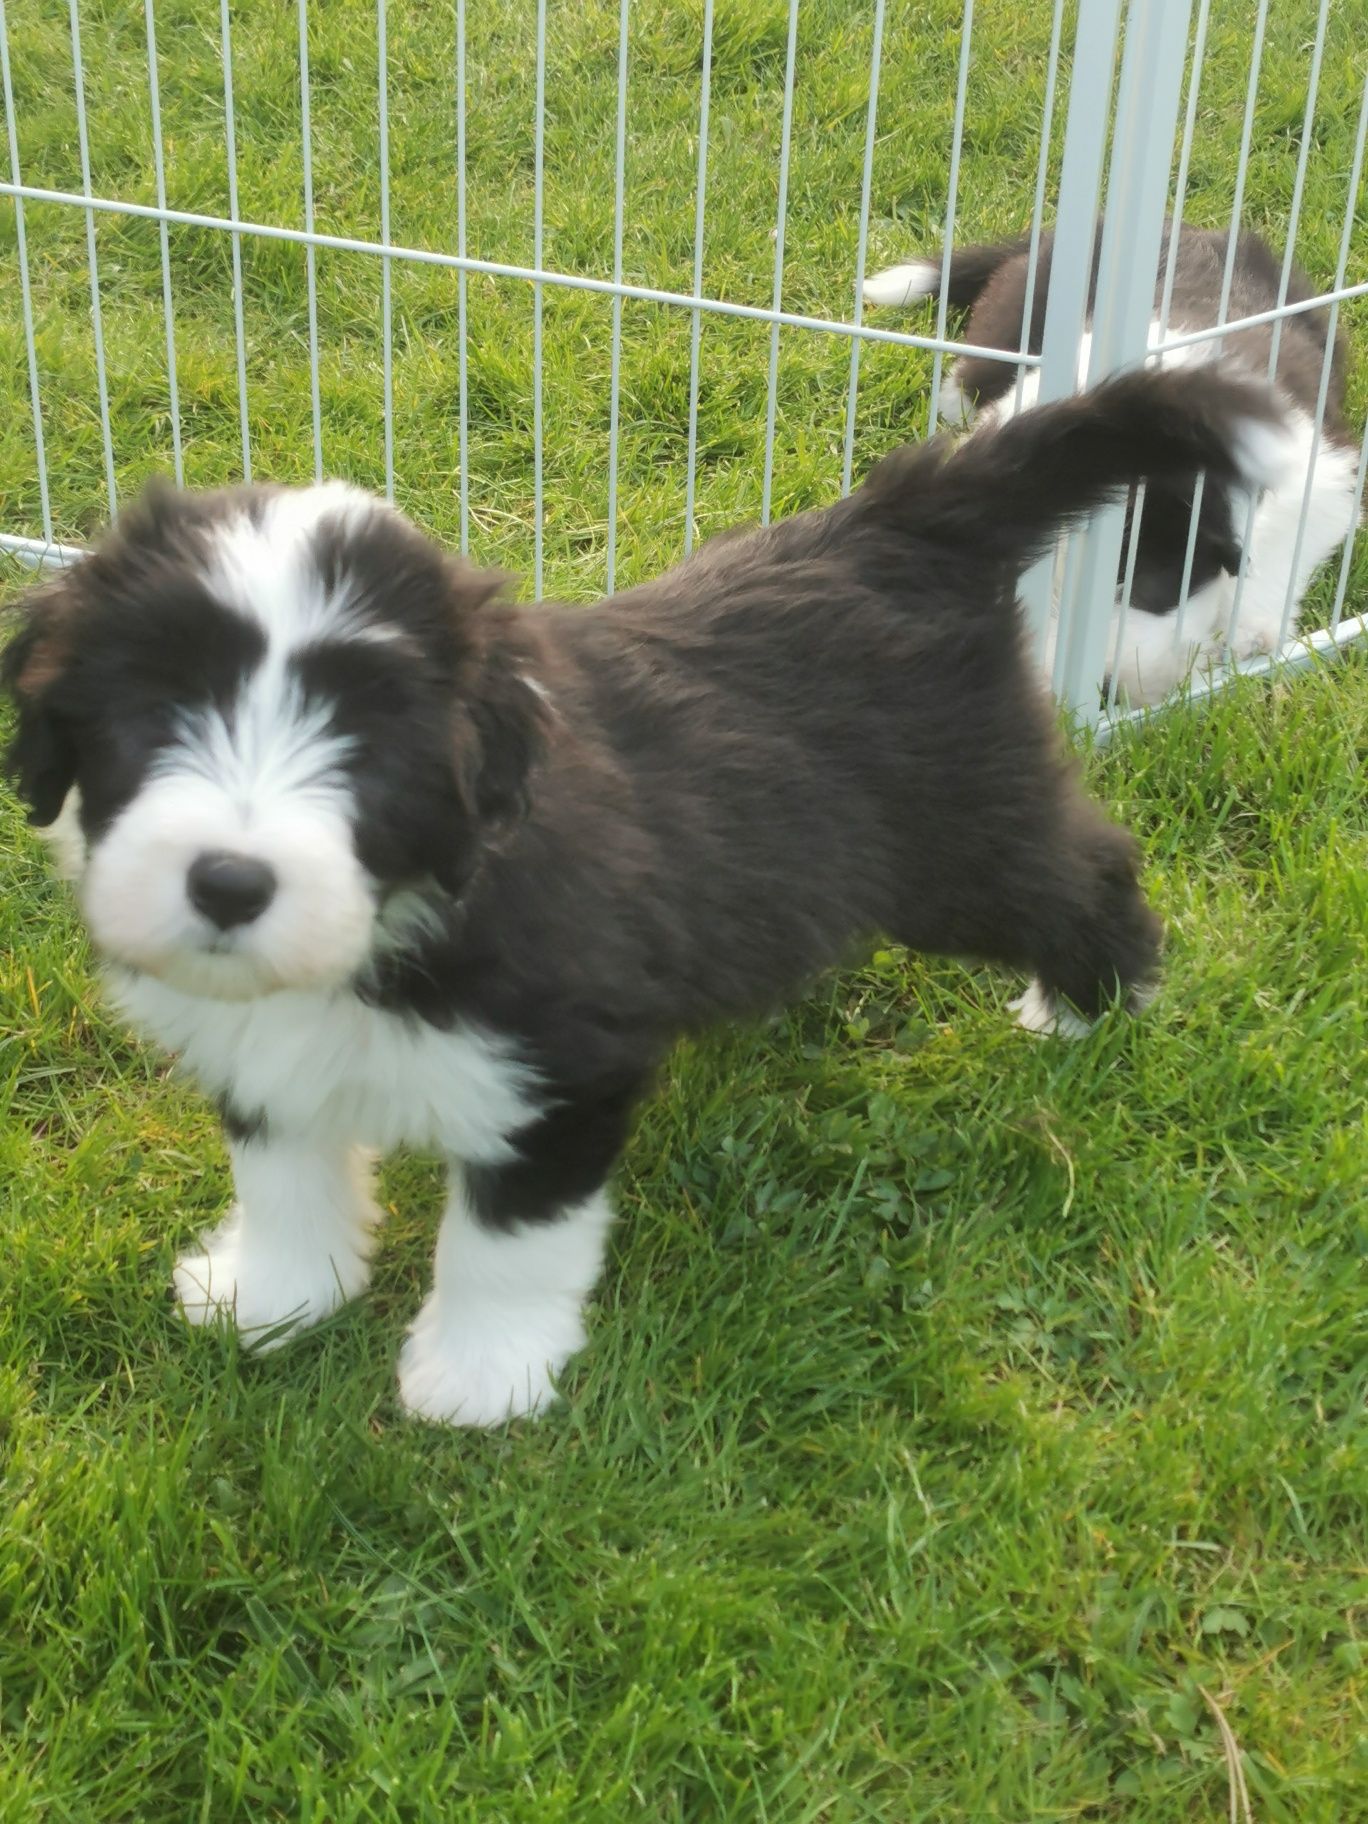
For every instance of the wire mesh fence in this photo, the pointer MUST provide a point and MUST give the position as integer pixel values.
(578, 286)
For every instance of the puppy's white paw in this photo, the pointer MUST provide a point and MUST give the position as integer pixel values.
(268, 1296)
(482, 1368)
(955, 407)
(1041, 1012)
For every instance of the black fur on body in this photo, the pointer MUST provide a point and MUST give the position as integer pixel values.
(632, 821)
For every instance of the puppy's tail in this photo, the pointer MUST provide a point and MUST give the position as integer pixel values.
(970, 270)
(1005, 494)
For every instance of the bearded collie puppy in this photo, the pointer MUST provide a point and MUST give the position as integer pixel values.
(1155, 647)
(386, 863)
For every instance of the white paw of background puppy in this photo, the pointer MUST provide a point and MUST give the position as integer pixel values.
(1040, 1012)
(483, 1368)
(268, 1297)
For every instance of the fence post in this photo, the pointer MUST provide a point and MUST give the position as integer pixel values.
(1091, 73)
(1147, 101)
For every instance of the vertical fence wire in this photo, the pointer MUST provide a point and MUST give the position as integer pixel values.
(25, 291)
(1123, 600)
(615, 384)
(871, 115)
(386, 276)
(1299, 182)
(159, 163)
(539, 533)
(1327, 369)
(96, 314)
(1165, 308)
(230, 136)
(462, 301)
(696, 328)
(1038, 205)
(1242, 165)
(1222, 313)
(785, 147)
(310, 258)
(1275, 331)
(1223, 307)
(1180, 183)
(951, 199)
(1347, 555)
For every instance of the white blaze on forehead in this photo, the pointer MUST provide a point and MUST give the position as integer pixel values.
(264, 566)
(274, 745)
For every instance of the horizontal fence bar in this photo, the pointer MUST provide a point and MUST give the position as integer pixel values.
(42, 553)
(1298, 655)
(1323, 300)
(757, 313)
(498, 269)
(1215, 331)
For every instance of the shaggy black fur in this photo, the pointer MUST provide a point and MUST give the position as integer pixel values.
(678, 807)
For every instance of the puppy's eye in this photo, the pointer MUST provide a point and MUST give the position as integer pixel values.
(366, 676)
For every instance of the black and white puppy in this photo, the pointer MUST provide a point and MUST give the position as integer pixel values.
(385, 863)
(1154, 651)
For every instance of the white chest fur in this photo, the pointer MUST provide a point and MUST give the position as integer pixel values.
(329, 1065)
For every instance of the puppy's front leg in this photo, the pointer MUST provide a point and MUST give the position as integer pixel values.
(520, 1250)
(504, 1314)
(505, 1311)
(295, 1245)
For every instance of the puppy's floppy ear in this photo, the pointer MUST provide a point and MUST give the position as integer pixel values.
(505, 714)
(508, 718)
(41, 758)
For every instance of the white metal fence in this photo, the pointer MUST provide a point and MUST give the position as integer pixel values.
(1121, 123)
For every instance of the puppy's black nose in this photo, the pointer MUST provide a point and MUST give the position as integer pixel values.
(229, 889)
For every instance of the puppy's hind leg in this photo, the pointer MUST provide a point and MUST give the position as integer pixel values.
(1086, 928)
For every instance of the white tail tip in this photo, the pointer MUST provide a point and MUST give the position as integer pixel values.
(1042, 1012)
(904, 284)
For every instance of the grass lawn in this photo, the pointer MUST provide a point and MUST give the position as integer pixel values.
(972, 1427)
